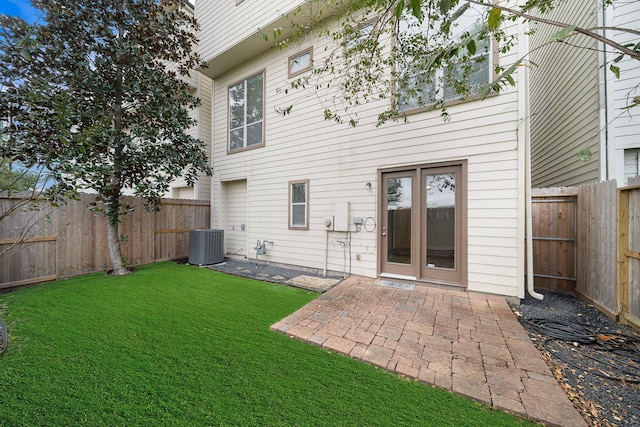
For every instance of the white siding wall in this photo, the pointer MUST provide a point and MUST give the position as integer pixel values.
(564, 91)
(624, 128)
(339, 161)
(227, 24)
(203, 86)
(205, 92)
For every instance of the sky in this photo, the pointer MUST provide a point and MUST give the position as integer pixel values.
(24, 9)
(20, 8)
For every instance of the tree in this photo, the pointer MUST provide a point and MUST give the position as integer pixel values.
(419, 53)
(96, 94)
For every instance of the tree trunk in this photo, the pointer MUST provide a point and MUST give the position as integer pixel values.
(119, 268)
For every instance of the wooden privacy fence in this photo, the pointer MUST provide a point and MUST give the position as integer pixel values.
(553, 213)
(597, 241)
(600, 257)
(628, 253)
(39, 243)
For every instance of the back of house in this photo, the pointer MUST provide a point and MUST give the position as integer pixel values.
(430, 200)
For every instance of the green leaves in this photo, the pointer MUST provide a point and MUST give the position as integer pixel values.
(92, 99)
(563, 33)
(615, 70)
(494, 19)
(584, 155)
(399, 9)
(445, 6)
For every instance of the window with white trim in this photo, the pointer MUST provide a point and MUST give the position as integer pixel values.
(246, 113)
(416, 88)
(299, 205)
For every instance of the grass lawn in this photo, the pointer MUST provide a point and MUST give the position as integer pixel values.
(180, 345)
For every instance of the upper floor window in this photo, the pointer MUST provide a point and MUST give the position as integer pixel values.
(357, 38)
(466, 72)
(299, 204)
(246, 113)
(300, 62)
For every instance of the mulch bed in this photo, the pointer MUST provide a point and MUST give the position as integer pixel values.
(595, 360)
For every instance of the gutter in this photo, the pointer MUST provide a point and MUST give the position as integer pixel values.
(523, 100)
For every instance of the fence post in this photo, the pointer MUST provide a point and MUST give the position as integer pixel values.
(622, 270)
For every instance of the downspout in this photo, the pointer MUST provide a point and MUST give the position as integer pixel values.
(523, 45)
(529, 220)
(326, 252)
(608, 164)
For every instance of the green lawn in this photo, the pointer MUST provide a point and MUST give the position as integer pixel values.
(180, 345)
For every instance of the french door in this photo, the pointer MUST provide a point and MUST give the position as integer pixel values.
(423, 226)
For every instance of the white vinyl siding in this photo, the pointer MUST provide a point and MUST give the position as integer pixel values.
(564, 101)
(626, 15)
(225, 25)
(340, 160)
(205, 92)
(624, 124)
(202, 87)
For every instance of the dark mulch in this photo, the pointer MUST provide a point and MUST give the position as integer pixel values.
(264, 271)
(595, 360)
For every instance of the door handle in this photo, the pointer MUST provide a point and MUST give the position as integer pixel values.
(384, 231)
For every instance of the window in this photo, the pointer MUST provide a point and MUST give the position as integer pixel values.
(299, 205)
(300, 62)
(246, 113)
(631, 163)
(416, 88)
(358, 36)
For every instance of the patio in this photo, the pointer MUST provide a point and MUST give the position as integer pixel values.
(464, 342)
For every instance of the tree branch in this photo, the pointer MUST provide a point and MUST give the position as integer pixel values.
(625, 50)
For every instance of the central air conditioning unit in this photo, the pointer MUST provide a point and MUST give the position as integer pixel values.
(206, 247)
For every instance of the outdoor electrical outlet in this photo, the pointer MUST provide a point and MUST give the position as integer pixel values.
(358, 221)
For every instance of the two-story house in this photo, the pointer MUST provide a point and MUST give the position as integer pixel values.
(581, 130)
(429, 201)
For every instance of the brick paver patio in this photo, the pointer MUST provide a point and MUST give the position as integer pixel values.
(464, 342)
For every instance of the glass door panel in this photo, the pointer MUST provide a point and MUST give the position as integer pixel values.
(440, 227)
(441, 223)
(397, 231)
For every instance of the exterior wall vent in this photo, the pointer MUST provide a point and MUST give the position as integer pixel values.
(206, 247)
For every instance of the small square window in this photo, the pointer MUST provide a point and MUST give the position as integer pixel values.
(300, 62)
(299, 205)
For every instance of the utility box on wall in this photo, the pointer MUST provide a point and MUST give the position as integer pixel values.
(341, 216)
